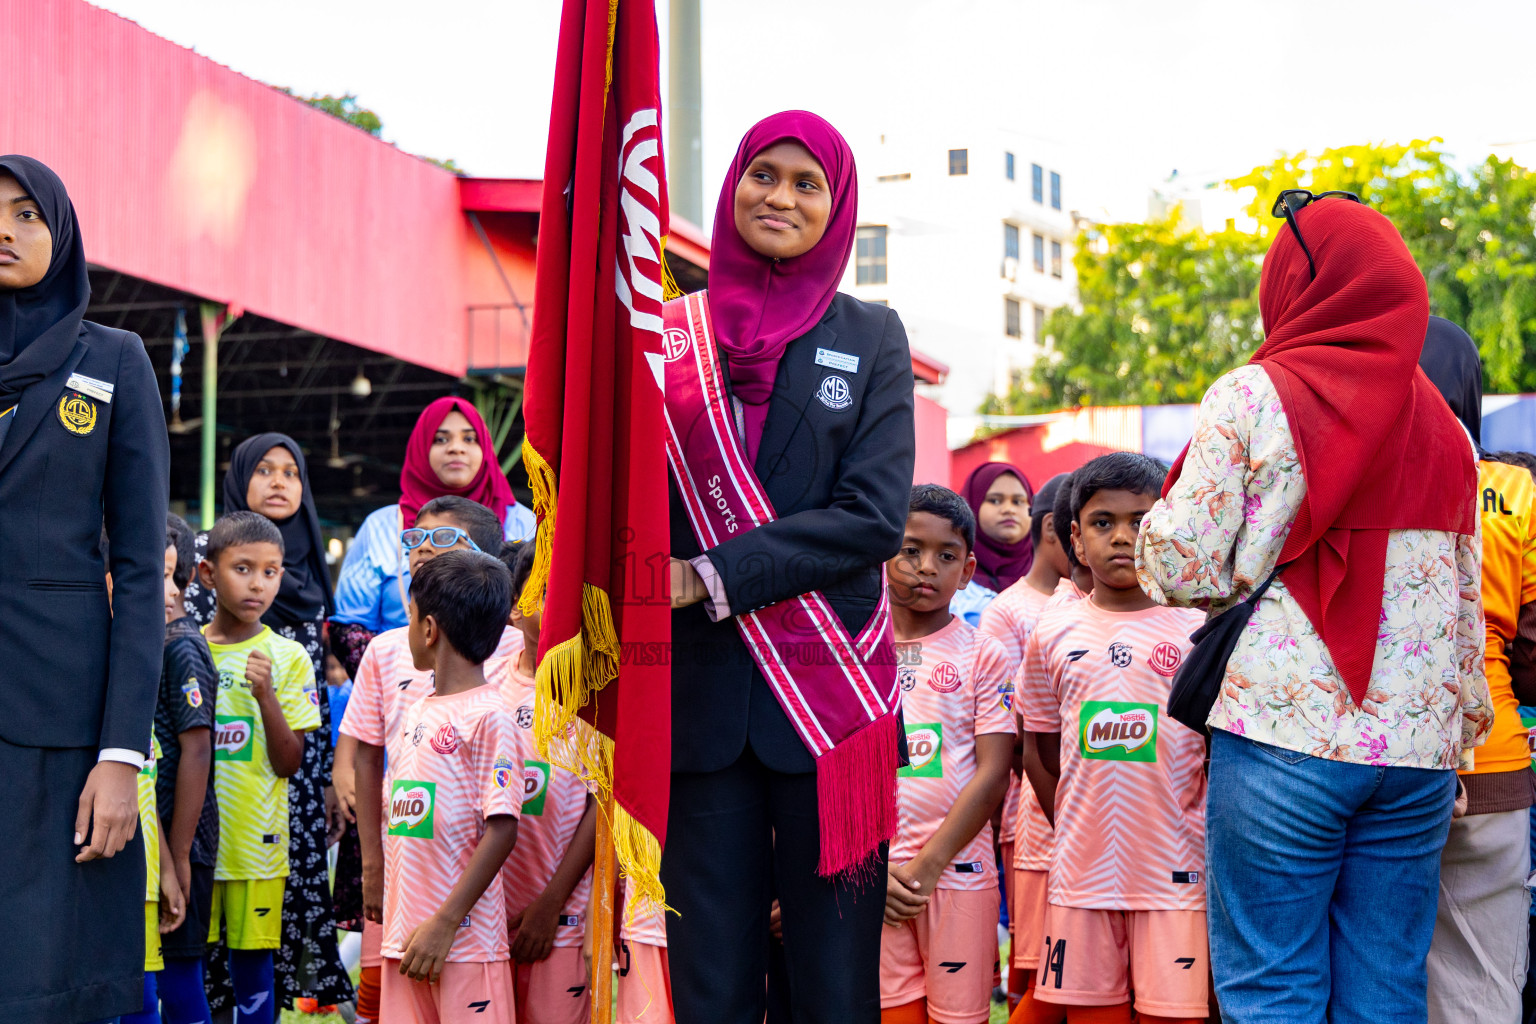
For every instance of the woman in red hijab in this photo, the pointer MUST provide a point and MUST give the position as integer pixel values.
(1357, 686)
(818, 408)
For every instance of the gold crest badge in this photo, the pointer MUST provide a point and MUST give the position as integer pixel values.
(78, 414)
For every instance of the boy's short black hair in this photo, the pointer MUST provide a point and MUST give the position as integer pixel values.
(469, 593)
(946, 504)
(517, 556)
(1043, 504)
(1117, 471)
(235, 528)
(1525, 460)
(470, 516)
(1061, 510)
(179, 535)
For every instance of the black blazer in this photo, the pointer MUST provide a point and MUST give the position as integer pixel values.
(840, 478)
(71, 673)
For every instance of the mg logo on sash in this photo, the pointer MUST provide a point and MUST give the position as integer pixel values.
(674, 344)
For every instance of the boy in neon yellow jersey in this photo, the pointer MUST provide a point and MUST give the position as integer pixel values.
(267, 701)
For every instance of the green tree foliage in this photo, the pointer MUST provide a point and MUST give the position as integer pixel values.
(1165, 310)
(346, 108)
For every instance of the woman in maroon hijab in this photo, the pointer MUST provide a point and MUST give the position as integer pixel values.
(818, 412)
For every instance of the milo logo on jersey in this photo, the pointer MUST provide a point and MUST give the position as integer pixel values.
(1113, 730)
(535, 787)
(410, 808)
(925, 749)
(233, 737)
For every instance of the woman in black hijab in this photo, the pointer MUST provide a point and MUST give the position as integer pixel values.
(82, 446)
(267, 475)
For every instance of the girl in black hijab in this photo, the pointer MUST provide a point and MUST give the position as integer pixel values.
(82, 446)
(267, 475)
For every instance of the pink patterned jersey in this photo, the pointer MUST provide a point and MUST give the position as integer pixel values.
(554, 801)
(1033, 836)
(1010, 617)
(648, 927)
(455, 765)
(952, 691)
(1130, 809)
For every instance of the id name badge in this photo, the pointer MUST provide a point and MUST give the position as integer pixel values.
(837, 360)
(100, 390)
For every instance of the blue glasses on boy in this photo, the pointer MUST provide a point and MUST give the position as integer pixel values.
(440, 536)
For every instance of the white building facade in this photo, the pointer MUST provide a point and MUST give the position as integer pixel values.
(968, 234)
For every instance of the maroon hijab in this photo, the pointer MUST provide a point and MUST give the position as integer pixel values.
(998, 565)
(419, 484)
(758, 305)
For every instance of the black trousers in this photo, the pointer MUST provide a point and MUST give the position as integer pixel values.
(736, 839)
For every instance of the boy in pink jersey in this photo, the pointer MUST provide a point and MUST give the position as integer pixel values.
(453, 807)
(939, 949)
(1025, 835)
(548, 878)
(1127, 894)
(388, 683)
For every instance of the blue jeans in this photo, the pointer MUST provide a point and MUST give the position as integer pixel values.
(1322, 880)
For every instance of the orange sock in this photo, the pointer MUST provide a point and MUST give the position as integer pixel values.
(1118, 1014)
(915, 1012)
(1034, 1011)
(368, 995)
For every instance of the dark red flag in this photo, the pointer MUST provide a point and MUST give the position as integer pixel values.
(593, 407)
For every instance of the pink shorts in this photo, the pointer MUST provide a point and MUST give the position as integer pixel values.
(946, 954)
(373, 940)
(1026, 900)
(645, 985)
(553, 990)
(1096, 957)
(467, 993)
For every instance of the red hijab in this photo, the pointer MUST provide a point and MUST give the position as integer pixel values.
(419, 484)
(998, 565)
(757, 305)
(1378, 447)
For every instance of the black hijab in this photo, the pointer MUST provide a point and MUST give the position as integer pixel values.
(305, 594)
(1450, 360)
(39, 325)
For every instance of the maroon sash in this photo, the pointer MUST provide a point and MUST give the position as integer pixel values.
(839, 692)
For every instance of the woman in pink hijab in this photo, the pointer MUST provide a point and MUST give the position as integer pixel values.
(820, 396)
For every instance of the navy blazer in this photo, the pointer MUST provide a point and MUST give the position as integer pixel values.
(836, 459)
(72, 673)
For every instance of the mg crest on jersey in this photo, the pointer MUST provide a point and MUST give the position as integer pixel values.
(945, 678)
(446, 739)
(535, 787)
(925, 748)
(1165, 659)
(411, 805)
(1112, 730)
(232, 737)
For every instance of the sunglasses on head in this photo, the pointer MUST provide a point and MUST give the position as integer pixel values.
(1292, 201)
(440, 536)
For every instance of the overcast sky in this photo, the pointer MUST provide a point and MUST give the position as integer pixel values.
(1127, 90)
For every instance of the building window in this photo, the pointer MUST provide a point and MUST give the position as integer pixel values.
(1039, 254)
(1037, 183)
(1008, 165)
(959, 161)
(869, 259)
(1055, 259)
(1039, 326)
(1010, 242)
(1055, 191)
(1011, 325)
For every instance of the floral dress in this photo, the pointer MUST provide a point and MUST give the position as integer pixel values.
(307, 963)
(1220, 531)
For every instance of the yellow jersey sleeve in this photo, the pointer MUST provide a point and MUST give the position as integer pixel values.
(293, 676)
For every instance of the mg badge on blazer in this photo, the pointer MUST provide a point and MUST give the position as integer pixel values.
(835, 393)
(78, 414)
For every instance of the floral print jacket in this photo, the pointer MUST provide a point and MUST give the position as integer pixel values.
(1219, 532)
